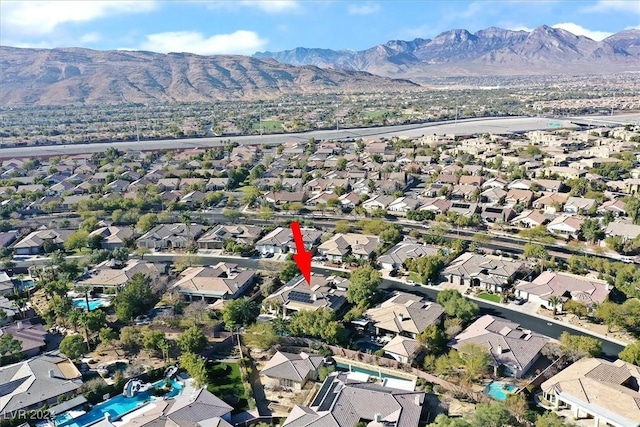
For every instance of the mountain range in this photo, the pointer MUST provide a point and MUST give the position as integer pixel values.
(492, 51)
(83, 76)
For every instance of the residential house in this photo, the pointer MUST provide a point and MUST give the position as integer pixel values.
(599, 390)
(32, 336)
(170, 236)
(551, 203)
(616, 206)
(518, 197)
(530, 219)
(222, 281)
(324, 292)
(6, 284)
(565, 226)
(8, 306)
(39, 381)
(282, 197)
(113, 237)
(343, 402)
(403, 349)
(217, 184)
(549, 185)
(116, 274)
(280, 241)
(193, 198)
(491, 214)
(511, 347)
(490, 272)
(343, 245)
(463, 208)
(220, 234)
(34, 242)
(435, 205)
(520, 184)
(402, 205)
(493, 195)
(292, 371)
(395, 257)
(626, 230)
(403, 314)
(575, 205)
(377, 202)
(587, 290)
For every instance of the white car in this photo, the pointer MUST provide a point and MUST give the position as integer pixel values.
(412, 283)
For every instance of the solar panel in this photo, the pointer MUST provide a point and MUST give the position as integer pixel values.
(300, 297)
(322, 392)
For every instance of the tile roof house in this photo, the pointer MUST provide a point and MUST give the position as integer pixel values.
(328, 292)
(490, 272)
(222, 281)
(530, 219)
(238, 233)
(112, 237)
(33, 243)
(566, 226)
(597, 389)
(510, 346)
(280, 240)
(402, 349)
(168, 236)
(343, 245)
(32, 383)
(291, 370)
(565, 286)
(343, 403)
(8, 306)
(31, 336)
(404, 314)
(395, 257)
(625, 230)
(113, 274)
(615, 206)
(574, 205)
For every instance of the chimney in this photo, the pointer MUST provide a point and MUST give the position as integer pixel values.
(607, 286)
(19, 324)
(417, 399)
(51, 374)
(400, 317)
(314, 297)
(377, 418)
(499, 349)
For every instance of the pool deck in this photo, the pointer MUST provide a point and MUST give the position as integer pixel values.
(381, 369)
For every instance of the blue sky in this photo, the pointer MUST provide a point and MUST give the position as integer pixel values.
(247, 26)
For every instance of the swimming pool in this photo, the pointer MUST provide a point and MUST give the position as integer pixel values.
(345, 368)
(93, 303)
(116, 407)
(499, 391)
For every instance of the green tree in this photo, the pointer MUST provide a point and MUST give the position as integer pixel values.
(135, 299)
(611, 314)
(531, 250)
(341, 163)
(289, 270)
(591, 230)
(319, 324)
(151, 339)
(195, 367)
(444, 421)
(239, 312)
(147, 222)
(551, 419)
(91, 321)
(632, 206)
(343, 226)
(476, 359)
(364, 284)
(76, 240)
(433, 339)
(192, 340)
(576, 347)
(455, 305)
(631, 353)
(491, 415)
(107, 336)
(130, 338)
(9, 345)
(73, 346)
(260, 335)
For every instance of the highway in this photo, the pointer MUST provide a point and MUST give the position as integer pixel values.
(465, 126)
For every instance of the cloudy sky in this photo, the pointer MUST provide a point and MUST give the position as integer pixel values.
(247, 26)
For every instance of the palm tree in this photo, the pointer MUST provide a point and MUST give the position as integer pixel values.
(85, 290)
(163, 345)
(554, 301)
(185, 218)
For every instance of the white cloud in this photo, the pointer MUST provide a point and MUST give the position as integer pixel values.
(37, 18)
(89, 38)
(581, 31)
(239, 42)
(518, 27)
(267, 6)
(632, 6)
(363, 9)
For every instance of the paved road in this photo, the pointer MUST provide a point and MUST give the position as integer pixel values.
(466, 126)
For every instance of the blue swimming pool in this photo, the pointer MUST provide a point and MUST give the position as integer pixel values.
(345, 368)
(93, 303)
(24, 284)
(116, 407)
(499, 391)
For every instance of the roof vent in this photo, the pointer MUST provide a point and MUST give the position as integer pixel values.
(499, 349)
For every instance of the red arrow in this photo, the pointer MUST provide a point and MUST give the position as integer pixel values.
(302, 257)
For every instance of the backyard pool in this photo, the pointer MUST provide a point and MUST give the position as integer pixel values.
(93, 303)
(345, 368)
(116, 407)
(24, 284)
(499, 391)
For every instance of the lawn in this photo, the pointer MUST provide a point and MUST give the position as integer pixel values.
(375, 114)
(416, 277)
(268, 126)
(489, 297)
(225, 380)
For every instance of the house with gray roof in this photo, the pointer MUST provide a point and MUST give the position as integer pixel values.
(32, 337)
(291, 370)
(395, 257)
(239, 233)
(625, 230)
(513, 348)
(342, 402)
(33, 243)
(222, 281)
(7, 305)
(402, 349)
(169, 236)
(492, 273)
(112, 237)
(325, 292)
(280, 240)
(35, 382)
